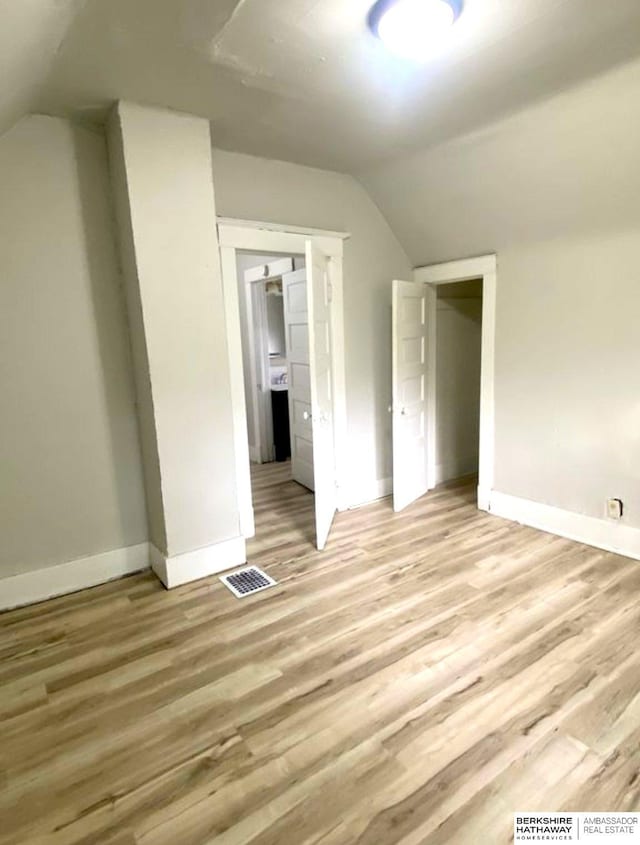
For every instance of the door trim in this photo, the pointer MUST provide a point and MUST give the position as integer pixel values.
(280, 228)
(483, 267)
(234, 235)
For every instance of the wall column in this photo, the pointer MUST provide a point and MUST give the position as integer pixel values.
(163, 189)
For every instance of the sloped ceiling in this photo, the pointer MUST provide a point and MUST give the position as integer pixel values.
(564, 168)
(303, 80)
(30, 33)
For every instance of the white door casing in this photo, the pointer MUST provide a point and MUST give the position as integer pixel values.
(296, 330)
(264, 237)
(319, 311)
(412, 308)
(483, 267)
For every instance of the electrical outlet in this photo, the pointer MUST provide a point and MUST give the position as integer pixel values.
(614, 508)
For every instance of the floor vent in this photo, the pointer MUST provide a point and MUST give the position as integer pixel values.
(244, 582)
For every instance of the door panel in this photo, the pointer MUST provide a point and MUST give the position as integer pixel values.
(319, 311)
(411, 306)
(294, 290)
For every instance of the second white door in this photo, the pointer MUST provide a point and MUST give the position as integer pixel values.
(412, 307)
(296, 329)
(307, 318)
(324, 468)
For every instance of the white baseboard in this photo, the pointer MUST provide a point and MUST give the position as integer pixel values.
(41, 584)
(190, 566)
(601, 533)
(364, 494)
(484, 498)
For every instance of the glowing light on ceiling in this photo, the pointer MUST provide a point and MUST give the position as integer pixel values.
(414, 29)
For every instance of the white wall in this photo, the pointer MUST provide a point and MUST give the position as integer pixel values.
(555, 191)
(255, 188)
(70, 478)
(568, 374)
(458, 346)
(140, 356)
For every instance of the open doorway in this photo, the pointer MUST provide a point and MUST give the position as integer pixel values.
(267, 350)
(275, 352)
(443, 333)
(458, 328)
(274, 279)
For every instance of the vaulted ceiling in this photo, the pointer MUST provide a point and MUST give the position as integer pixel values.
(302, 80)
(31, 32)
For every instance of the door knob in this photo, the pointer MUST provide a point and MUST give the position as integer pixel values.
(320, 418)
(404, 412)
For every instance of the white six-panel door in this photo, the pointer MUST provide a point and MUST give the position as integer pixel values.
(296, 329)
(319, 311)
(411, 309)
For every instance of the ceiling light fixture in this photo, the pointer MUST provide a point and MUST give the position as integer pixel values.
(414, 29)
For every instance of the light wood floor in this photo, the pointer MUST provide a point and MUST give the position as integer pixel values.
(418, 682)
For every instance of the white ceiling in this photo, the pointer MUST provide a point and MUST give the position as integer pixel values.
(303, 80)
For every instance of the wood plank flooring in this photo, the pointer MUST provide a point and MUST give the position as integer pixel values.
(426, 676)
